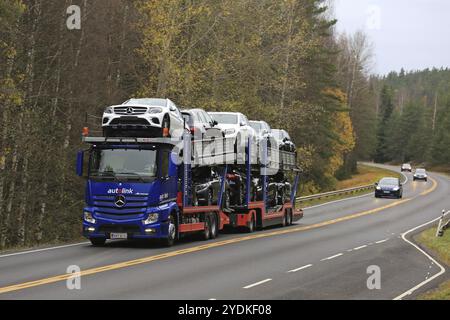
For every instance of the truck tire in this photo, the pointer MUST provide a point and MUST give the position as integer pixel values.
(289, 218)
(206, 234)
(284, 222)
(251, 225)
(98, 242)
(214, 227)
(171, 233)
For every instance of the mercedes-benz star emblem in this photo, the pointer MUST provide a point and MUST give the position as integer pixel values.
(129, 110)
(119, 201)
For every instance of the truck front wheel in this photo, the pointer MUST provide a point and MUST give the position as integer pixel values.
(171, 232)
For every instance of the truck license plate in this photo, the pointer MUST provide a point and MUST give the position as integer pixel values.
(118, 236)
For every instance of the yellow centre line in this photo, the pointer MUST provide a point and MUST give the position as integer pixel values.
(162, 256)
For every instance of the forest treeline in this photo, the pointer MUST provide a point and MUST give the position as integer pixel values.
(279, 61)
(414, 117)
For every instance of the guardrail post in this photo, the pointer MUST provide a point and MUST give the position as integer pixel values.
(439, 231)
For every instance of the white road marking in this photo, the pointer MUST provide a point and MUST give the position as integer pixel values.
(44, 249)
(442, 269)
(301, 268)
(332, 257)
(212, 299)
(361, 247)
(381, 241)
(257, 283)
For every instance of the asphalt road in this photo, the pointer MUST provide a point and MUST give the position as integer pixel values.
(326, 255)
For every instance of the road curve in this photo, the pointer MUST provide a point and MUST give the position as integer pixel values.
(326, 255)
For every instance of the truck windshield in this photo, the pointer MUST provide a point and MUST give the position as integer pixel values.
(132, 164)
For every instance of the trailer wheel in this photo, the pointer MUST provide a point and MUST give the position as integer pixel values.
(207, 231)
(284, 222)
(214, 227)
(289, 218)
(171, 233)
(251, 225)
(98, 242)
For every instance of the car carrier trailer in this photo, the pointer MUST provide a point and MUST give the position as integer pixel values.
(159, 204)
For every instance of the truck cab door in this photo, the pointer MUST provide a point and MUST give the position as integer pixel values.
(167, 177)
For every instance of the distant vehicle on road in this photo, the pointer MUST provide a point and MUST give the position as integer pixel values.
(420, 174)
(406, 167)
(389, 187)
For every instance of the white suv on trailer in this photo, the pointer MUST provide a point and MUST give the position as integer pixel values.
(146, 117)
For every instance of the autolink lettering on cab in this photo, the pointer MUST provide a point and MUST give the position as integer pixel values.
(120, 191)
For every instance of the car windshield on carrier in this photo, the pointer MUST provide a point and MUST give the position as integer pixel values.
(225, 118)
(256, 125)
(148, 102)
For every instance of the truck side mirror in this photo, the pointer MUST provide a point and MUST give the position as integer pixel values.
(80, 159)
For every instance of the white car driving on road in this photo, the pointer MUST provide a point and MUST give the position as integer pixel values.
(146, 117)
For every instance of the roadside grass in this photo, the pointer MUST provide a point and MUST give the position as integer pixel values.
(440, 247)
(365, 175)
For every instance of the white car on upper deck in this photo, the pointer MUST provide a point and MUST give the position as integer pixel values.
(234, 125)
(145, 117)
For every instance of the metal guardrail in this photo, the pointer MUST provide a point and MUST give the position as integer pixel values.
(334, 193)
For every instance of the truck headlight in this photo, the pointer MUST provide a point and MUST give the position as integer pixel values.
(152, 218)
(88, 217)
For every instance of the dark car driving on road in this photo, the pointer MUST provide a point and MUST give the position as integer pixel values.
(389, 187)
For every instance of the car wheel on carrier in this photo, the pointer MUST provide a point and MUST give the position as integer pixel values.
(171, 233)
(207, 231)
(210, 198)
(214, 227)
(226, 202)
(98, 242)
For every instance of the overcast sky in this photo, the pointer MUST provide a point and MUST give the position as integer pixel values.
(413, 34)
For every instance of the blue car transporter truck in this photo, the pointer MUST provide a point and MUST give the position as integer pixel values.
(141, 188)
